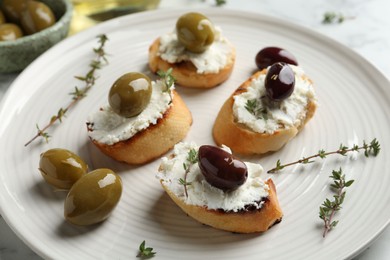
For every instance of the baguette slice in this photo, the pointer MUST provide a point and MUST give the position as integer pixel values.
(154, 141)
(185, 72)
(250, 221)
(243, 140)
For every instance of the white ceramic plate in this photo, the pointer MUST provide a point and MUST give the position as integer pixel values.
(354, 105)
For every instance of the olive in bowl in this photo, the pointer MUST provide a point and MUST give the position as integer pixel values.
(18, 54)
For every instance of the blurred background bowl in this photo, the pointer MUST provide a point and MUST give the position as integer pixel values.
(17, 54)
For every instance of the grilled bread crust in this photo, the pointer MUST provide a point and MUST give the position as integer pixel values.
(245, 221)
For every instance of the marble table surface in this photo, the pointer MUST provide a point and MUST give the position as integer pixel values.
(365, 30)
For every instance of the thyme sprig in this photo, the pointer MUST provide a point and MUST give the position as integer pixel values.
(253, 108)
(372, 148)
(328, 207)
(192, 158)
(89, 81)
(220, 2)
(169, 81)
(332, 17)
(145, 252)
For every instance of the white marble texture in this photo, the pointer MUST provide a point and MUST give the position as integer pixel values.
(366, 31)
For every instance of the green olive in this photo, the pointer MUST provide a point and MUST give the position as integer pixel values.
(2, 18)
(130, 94)
(10, 32)
(36, 17)
(13, 9)
(61, 168)
(195, 31)
(92, 198)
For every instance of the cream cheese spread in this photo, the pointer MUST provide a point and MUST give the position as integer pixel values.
(211, 60)
(107, 127)
(271, 116)
(201, 193)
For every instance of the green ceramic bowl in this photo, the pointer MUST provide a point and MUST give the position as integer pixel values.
(16, 55)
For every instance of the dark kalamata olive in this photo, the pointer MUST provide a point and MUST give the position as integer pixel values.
(270, 55)
(279, 81)
(220, 168)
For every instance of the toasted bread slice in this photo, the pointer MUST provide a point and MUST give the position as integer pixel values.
(185, 72)
(243, 140)
(252, 207)
(154, 141)
(245, 221)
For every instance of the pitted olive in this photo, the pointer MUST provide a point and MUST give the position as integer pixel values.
(130, 94)
(9, 32)
(61, 168)
(36, 17)
(220, 168)
(93, 197)
(195, 31)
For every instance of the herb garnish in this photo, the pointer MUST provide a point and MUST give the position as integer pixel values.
(332, 17)
(168, 79)
(78, 94)
(145, 252)
(328, 207)
(192, 158)
(220, 2)
(252, 107)
(372, 148)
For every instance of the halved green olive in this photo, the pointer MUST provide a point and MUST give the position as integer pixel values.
(13, 9)
(9, 32)
(92, 198)
(130, 94)
(36, 17)
(195, 31)
(61, 168)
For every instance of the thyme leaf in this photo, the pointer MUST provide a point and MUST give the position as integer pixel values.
(253, 107)
(169, 81)
(145, 252)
